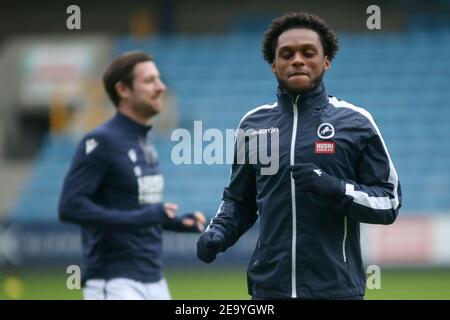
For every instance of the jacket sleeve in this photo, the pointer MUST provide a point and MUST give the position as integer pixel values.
(375, 197)
(238, 210)
(87, 172)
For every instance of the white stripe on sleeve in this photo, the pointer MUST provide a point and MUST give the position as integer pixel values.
(362, 197)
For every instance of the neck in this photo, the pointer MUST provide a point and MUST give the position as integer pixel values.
(283, 88)
(129, 113)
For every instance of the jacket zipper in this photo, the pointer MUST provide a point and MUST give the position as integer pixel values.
(344, 239)
(294, 208)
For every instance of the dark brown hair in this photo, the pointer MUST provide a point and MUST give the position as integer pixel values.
(121, 69)
(305, 20)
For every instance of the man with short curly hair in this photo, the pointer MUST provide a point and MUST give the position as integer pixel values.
(334, 173)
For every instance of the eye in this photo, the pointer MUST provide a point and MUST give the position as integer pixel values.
(310, 53)
(285, 54)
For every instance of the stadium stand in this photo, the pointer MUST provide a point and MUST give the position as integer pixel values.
(218, 78)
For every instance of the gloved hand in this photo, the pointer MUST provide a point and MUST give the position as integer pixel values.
(310, 178)
(209, 245)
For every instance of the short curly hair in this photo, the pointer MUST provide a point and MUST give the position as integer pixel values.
(292, 20)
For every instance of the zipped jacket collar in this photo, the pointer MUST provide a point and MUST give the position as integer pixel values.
(315, 99)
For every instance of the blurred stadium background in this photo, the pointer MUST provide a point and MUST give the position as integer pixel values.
(209, 54)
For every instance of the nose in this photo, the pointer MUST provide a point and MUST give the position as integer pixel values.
(298, 59)
(161, 86)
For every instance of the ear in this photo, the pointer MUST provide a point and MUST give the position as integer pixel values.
(326, 63)
(122, 90)
(273, 66)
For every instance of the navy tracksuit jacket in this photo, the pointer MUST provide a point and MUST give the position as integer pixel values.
(309, 245)
(114, 191)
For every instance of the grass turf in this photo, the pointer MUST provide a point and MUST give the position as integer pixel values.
(193, 284)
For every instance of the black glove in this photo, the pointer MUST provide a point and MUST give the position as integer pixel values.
(209, 245)
(310, 178)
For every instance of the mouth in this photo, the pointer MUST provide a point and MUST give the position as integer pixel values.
(156, 97)
(298, 74)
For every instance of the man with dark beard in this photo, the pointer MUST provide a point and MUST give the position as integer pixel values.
(334, 173)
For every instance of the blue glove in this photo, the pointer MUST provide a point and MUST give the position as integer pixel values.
(310, 178)
(209, 245)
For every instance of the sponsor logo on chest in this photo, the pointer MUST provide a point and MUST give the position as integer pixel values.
(325, 132)
(150, 189)
(325, 147)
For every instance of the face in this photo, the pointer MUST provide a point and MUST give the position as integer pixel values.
(146, 95)
(299, 62)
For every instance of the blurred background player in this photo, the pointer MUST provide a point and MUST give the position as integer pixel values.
(114, 190)
(335, 172)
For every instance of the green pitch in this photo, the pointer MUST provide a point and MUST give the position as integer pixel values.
(221, 284)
